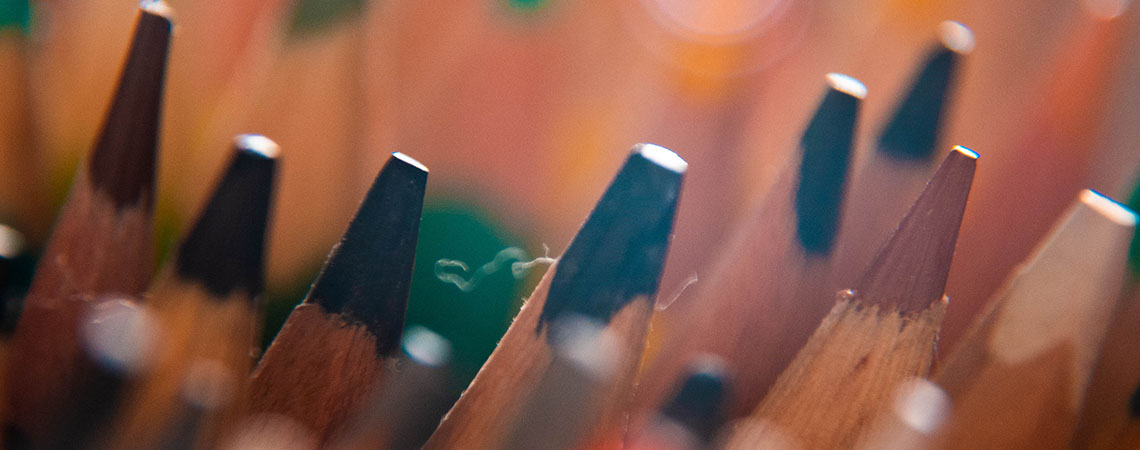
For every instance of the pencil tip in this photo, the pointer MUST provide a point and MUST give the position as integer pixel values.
(123, 163)
(826, 148)
(225, 250)
(1134, 403)
(618, 254)
(910, 272)
(368, 274)
(698, 403)
(912, 133)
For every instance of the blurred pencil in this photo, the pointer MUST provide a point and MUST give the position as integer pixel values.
(1028, 184)
(402, 414)
(694, 414)
(23, 200)
(206, 299)
(609, 273)
(335, 347)
(760, 301)
(1018, 380)
(1111, 405)
(102, 241)
(878, 334)
(902, 159)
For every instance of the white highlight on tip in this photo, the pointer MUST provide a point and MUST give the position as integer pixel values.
(11, 242)
(921, 405)
(426, 347)
(847, 84)
(1108, 208)
(409, 160)
(258, 144)
(956, 37)
(966, 151)
(663, 157)
(157, 7)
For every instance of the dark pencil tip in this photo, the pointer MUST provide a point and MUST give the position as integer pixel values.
(226, 248)
(368, 274)
(910, 272)
(912, 132)
(698, 403)
(619, 252)
(1134, 403)
(826, 148)
(123, 163)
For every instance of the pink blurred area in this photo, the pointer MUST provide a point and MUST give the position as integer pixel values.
(529, 112)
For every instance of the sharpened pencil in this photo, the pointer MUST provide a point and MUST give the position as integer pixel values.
(879, 334)
(206, 298)
(609, 273)
(902, 159)
(335, 347)
(761, 299)
(1018, 380)
(102, 243)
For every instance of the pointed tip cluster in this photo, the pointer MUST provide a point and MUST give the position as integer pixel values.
(367, 276)
(225, 249)
(910, 272)
(913, 131)
(826, 146)
(619, 253)
(122, 165)
(698, 403)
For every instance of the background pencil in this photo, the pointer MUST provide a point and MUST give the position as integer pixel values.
(761, 299)
(609, 273)
(899, 162)
(206, 299)
(336, 345)
(102, 242)
(879, 334)
(1019, 378)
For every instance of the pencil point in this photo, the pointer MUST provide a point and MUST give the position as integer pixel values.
(122, 165)
(226, 248)
(618, 254)
(912, 133)
(910, 272)
(698, 403)
(826, 148)
(368, 274)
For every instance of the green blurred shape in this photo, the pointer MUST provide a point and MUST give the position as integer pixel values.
(473, 321)
(527, 5)
(315, 15)
(1134, 249)
(15, 13)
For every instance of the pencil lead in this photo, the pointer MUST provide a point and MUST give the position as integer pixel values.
(826, 148)
(698, 404)
(912, 133)
(1134, 403)
(225, 250)
(368, 274)
(618, 254)
(123, 163)
(910, 272)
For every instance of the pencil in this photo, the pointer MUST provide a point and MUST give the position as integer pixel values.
(1018, 379)
(335, 346)
(761, 298)
(206, 299)
(902, 159)
(693, 415)
(879, 334)
(102, 242)
(402, 414)
(609, 273)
